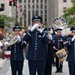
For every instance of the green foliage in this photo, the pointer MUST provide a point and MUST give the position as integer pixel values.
(69, 15)
(7, 20)
(73, 1)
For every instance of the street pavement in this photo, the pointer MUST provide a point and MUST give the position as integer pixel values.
(26, 71)
(2, 61)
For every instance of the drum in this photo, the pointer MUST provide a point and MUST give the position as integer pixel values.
(62, 55)
(7, 54)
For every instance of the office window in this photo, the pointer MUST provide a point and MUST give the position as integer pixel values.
(20, 1)
(41, 6)
(24, 1)
(37, 1)
(25, 22)
(28, 1)
(37, 6)
(41, 12)
(64, 9)
(41, 1)
(45, 6)
(33, 13)
(45, 11)
(45, 18)
(45, 1)
(28, 6)
(33, 6)
(32, 1)
(24, 6)
(64, 0)
(20, 21)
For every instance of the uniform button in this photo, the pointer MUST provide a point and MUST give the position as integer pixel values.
(35, 48)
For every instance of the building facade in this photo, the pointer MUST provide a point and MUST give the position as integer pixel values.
(47, 9)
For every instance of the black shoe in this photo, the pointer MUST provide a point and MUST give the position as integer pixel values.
(56, 71)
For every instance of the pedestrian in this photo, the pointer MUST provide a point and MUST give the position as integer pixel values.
(16, 57)
(36, 53)
(70, 44)
(58, 45)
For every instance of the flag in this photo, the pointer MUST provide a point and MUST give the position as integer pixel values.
(19, 9)
(20, 13)
(18, 4)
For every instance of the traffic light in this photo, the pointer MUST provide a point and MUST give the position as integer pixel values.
(10, 2)
(1, 9)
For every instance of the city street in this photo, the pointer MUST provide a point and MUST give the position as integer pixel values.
(6, 70)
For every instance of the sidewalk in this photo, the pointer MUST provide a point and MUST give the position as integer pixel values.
(2, 61)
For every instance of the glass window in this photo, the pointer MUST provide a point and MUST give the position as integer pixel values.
(28, 5)
(64, 0)
(45, 11)
(37, 1)
(41, 12)
(33, 6)
(45, 6)
(41, 1)
(33, 13)
(20, 21)
(45, 1)
(32, 1)
(28, 1)
(20, 1)
(64, 9)
(25, 22)
(41, 6)
(37, 6)
(24, 6)
(24, 1)
(45, 18)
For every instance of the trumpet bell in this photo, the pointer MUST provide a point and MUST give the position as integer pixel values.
(13, 41)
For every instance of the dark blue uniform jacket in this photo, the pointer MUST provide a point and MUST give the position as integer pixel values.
(36, 49)
(71, 50)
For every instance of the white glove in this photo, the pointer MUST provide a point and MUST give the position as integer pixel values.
(19, 38)
(73, 38)
(34, 27)
(6, 43)
(50, 37)
(40, 30)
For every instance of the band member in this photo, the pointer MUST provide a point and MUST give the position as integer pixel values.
(70, 44)
(36, 53)
(17, 58)
(49, 60)
(58, 44)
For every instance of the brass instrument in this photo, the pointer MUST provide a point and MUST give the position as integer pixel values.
(59, 22)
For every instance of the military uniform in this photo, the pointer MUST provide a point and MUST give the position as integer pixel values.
(59, 45)
(36, 53)
(17, 58)
(49, 60)
(70, 44)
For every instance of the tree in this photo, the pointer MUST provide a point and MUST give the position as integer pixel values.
(6, 20)
(69, 15)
